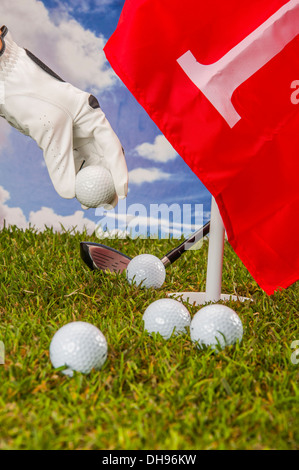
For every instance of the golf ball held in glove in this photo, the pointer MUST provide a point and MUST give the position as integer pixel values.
(79, 346)
(94, 186)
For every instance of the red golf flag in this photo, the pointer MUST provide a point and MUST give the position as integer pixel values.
(221, 81)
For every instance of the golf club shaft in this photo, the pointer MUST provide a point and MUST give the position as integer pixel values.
(98, 256)
(174, 254)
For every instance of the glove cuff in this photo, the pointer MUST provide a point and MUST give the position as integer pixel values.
(9, 52)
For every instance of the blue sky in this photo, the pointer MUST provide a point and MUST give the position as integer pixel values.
(157, 174)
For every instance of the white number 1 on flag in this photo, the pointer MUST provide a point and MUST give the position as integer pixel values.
(219, 80)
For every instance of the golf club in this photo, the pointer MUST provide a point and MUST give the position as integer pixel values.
(105, 258)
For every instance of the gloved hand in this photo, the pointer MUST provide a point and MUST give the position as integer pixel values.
(67, 123)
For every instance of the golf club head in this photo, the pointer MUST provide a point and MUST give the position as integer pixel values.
(102, 257)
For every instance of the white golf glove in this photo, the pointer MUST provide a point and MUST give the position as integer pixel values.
(67, 123)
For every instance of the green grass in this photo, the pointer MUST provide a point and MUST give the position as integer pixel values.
(151, 393)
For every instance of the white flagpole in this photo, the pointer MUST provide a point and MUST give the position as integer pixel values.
(215, 255)
(214, 268)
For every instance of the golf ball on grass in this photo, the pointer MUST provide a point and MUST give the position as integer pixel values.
(216, 326)
(146, 271)
(79, 346)
(94, 186)
(167, 317)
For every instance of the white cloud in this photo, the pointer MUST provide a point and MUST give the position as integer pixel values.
(159, 151)
(85, 6)
(43, 218)
(74, 53)
(46, 217)
(147, 175)
(10, 215)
